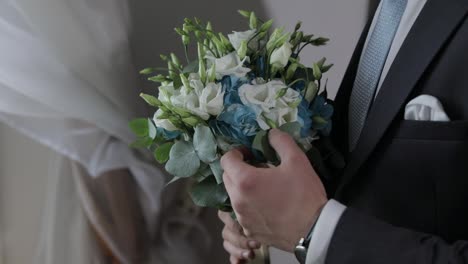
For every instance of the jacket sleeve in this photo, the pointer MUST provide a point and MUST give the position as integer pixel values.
(361, 239)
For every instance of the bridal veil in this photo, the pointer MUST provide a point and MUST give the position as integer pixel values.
(67, 81)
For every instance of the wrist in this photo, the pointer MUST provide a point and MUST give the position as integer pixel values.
(309, 225)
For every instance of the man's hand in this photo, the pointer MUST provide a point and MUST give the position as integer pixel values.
(235, 242)
(275, 206)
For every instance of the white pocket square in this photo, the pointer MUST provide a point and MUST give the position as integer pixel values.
(425, 108)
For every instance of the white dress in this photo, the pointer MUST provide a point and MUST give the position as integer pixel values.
(67, 81)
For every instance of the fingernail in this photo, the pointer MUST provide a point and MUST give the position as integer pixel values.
(254, 244)
(247, 254)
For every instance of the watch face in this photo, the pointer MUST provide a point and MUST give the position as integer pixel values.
(301, 253)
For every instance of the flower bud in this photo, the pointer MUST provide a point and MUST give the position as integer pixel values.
(280, 56)
(242, 51)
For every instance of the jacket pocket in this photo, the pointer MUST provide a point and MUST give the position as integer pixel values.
(430, 130)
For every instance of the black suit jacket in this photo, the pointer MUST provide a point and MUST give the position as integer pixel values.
(406, 183)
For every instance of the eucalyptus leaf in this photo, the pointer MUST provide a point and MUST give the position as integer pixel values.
(152, 132)
(161, 154)
(139, 127)
(209, 193)
(183, 160)
(217, 170)
(204, 143)
(203, 172)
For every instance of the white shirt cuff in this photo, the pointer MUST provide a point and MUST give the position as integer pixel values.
(323, 232)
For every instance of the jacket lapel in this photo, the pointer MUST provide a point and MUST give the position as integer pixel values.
(434, 26)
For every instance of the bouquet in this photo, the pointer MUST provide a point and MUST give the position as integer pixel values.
(230, 95)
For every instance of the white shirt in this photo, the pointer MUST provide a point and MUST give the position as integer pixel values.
(331, 213)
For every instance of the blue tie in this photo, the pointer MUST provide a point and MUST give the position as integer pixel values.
(371, 66)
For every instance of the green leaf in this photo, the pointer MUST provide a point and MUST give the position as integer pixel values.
(262, 144)
(151, 100)
(161, 154)
(183, 160)
(209, 194)
(217, 170)
(139, 127)
(142, 142)
(292, 128)
(205, 144)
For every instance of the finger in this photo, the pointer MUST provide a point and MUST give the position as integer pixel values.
(230, 223)
(233, 163)
(238, 252)
(230, 186)
(235, 260)
(239, 240)
(283, 144)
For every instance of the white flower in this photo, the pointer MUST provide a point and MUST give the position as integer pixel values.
(196, 83)
(236, 38)
(199, 100)
(263, 98)
(281, 55)
(189, 100)
(211, 99)
(163, 123)
(279, 116)
(230, 64)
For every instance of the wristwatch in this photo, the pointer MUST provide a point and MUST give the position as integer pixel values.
(302, 247)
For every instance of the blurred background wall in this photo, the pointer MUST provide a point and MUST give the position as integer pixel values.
(24, 162)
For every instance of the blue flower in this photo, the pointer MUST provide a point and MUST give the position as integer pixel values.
(231, 85)
(304, 117)
(238, 123)
(322, 109)
(168, 135)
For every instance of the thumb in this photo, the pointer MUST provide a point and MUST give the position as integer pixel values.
(283, 144)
